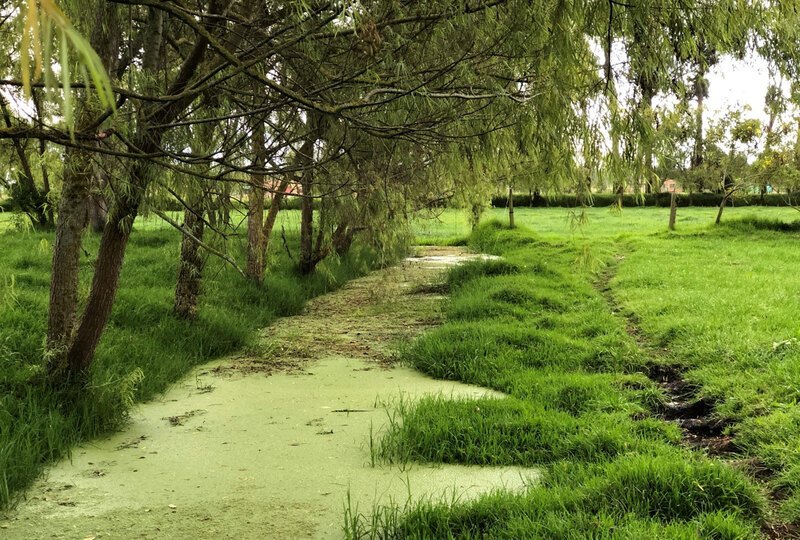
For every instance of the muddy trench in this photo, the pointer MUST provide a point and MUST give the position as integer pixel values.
(703, 430)
(694, 414)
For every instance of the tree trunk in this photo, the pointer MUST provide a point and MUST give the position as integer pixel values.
(722, 207)
(72, 216)
(190, 270)
(153, 119)
(73, 213)
(307, 262)
(511, 224)
(255, 213)
(272, 216)
(104, 288)
(697, 151)
(255, 231)
(81, 349)
(342, 238)
(476, 211)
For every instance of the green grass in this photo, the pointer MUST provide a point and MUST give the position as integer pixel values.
(720, 301)
(144, 349)
(536, 327)
(556, 224)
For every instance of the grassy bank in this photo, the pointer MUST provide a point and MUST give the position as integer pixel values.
(144, 349)
(579, 404)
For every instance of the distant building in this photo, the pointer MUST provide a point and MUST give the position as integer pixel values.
(671, 186)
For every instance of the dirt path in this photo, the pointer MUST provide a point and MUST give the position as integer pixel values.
(232, 453)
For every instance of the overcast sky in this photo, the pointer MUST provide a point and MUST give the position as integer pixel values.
(736, 83)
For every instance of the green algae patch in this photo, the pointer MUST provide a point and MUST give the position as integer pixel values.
(232, 452)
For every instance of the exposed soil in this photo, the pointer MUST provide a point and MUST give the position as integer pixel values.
(232, 453)
(695, 415)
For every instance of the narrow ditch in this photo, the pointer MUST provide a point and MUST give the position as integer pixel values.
(701, 427)
(694, 415)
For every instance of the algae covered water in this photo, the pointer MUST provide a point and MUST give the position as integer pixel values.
(273, 444)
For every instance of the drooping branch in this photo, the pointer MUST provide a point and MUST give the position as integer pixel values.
(186, 232)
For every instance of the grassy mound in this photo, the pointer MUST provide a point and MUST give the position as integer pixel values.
(579, 405)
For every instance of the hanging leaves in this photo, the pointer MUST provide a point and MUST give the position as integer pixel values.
(42, 19)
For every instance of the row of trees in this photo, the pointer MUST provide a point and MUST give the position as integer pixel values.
(364, 111)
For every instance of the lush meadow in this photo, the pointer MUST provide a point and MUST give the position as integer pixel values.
(575, 324)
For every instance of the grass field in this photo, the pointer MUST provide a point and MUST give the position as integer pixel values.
(560, 223)
(569, 325)
(572, 338)
(144, 349)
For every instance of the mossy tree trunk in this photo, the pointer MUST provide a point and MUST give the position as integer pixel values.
(73, 210)
(308, 260)
(152, 122)
(190, 269)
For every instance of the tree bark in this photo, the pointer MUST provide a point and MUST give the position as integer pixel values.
(307, 262)
(255, 214)
(72, 218)
(342, 238)
(190, 270)
(152, 122)
(722, 204)
(104, 287)
(115, 237)
(73, 214)
(272, 216)
(673, 210)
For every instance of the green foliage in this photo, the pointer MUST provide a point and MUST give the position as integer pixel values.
(608, 200)
(45, 27)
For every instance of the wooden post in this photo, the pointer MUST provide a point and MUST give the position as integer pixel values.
(673, 210)
(511, 207)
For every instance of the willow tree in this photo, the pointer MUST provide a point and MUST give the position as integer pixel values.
(419, 82)
(663, 44)
(400, 88)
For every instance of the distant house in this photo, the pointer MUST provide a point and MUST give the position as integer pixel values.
(272, 185)
(671, 186)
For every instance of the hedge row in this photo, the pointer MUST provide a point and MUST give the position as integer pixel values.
(651, 199)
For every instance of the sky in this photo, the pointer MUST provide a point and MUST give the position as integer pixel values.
(738, 82)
